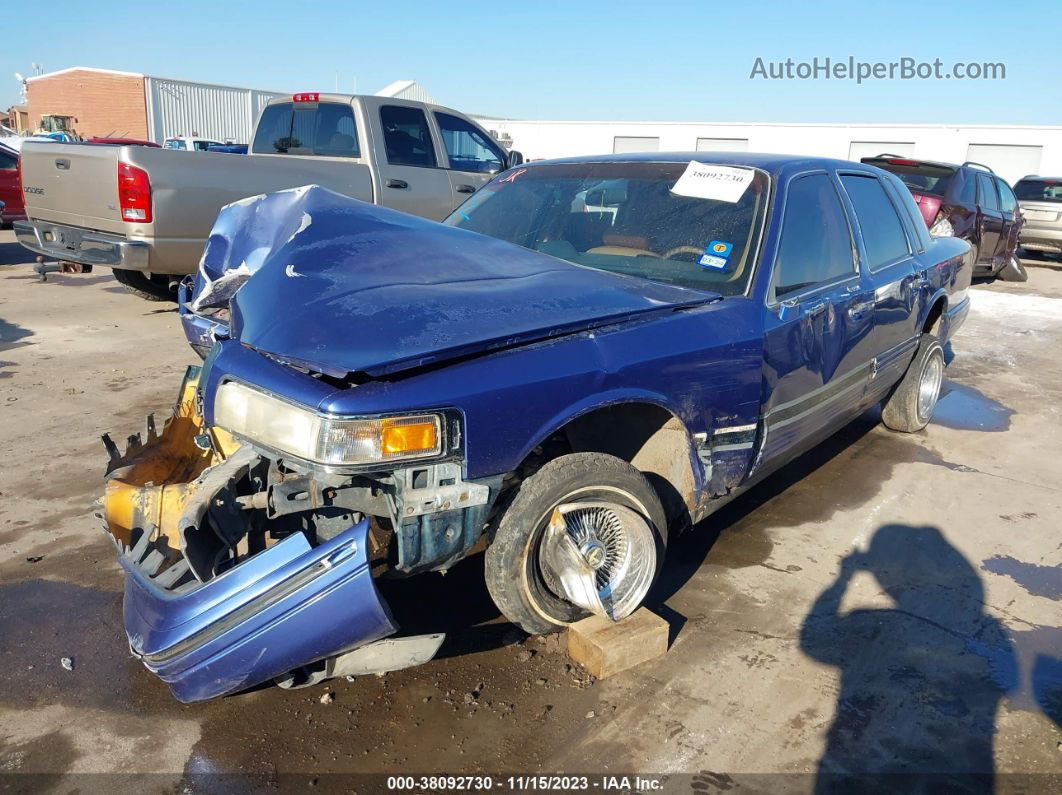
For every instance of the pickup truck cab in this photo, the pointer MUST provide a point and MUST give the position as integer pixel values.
(588, 357)
(147, 212)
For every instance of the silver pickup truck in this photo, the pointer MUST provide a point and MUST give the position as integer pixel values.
(146, 212)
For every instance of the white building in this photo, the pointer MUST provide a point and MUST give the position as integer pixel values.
(1012, 151)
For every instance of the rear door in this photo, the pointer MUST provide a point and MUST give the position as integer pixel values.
(887, 254)
(472, 156)
(989, 220)
(816, 322)
(410, 162)
(1012, 220)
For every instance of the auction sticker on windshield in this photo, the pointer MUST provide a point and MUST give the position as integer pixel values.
(706, 181)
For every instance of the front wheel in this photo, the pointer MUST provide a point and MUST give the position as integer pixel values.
(585, 533)
(149, 286)
(909, 407)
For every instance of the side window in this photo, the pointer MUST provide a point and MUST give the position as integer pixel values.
(986, 192)
(467, 147)
(879, 225)
(173, 143)
(968, 192)
(406, 136)
(8, 162)
(816, 245)
(1007, 202)
(201, 146)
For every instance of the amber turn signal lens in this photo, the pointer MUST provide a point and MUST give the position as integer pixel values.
(403, 436)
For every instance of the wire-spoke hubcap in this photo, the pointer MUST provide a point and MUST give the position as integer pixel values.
(600, 556)
(929, 386)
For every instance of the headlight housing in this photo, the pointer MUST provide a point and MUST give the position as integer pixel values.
(333, 441)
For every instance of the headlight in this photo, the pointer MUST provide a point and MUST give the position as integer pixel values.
(942, 228)
(303, 433)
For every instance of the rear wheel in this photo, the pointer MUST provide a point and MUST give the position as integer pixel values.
(585, 532)
(150, 287)
(910, 406)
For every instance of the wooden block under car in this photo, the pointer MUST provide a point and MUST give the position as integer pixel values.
(606, 647)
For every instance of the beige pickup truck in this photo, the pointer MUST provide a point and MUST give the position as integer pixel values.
(146, 213)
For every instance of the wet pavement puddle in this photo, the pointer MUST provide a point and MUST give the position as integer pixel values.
(967, 409)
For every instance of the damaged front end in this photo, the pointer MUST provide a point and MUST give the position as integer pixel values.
(237, 571)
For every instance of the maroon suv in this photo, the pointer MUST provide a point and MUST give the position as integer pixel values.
(968, 202)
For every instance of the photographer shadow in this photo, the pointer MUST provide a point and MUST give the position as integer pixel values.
(920, 681)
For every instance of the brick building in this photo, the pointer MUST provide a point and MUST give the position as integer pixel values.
(91, 102)
(104, 102)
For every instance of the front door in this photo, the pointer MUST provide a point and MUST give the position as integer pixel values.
(815, 371)
(989, 220)
(411, 176)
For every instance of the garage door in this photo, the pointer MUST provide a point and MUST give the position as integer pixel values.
(722, 144)
(1010, 162)
(628, 143)
(857, 150)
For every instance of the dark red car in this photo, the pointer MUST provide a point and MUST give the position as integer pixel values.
(969, 202)
(11, 186)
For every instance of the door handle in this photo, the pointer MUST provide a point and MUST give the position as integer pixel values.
(856, 310)
(815, 311)
(62, 163)
(465, 189)
(397, 183)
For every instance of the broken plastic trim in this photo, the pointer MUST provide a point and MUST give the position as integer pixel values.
(383, 656)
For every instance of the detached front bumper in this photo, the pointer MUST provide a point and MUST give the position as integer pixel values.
(286, 606)
(75, 244)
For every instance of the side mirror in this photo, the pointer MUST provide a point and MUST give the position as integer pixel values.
(514, 159)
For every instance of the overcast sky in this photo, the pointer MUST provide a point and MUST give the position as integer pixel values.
(581, 59)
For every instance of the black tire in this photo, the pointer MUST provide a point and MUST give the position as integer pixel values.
(1013, 271)
(150, 287)
(905, 409)
(513, 578)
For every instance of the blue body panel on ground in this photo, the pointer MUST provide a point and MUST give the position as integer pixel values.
(286, 606)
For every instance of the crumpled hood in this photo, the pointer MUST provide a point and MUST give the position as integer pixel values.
(339, 285)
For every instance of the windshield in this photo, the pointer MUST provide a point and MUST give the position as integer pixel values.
(625, 218)
(1039, 190)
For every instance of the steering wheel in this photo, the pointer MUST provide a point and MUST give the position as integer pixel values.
(623, 251)
(683, 250)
